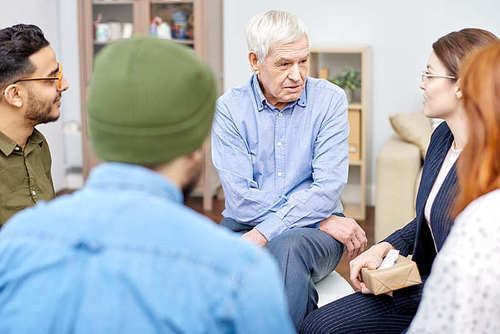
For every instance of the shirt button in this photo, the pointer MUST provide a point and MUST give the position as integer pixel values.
(278, 143)
(33, 192)
(279, 173)
(17, 148)
(280, 114)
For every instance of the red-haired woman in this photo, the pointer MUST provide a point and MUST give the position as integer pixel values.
(462, 294)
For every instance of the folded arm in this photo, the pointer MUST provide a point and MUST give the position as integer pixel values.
(233, 161)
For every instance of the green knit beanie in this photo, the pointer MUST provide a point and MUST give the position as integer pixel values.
(151, 100)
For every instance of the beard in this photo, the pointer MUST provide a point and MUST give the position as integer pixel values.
(38, 111)
(188, 188)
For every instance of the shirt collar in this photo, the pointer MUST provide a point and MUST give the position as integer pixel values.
(7, 145)
(36, 137)
(116, 176)
(261, 100)
(302, 101)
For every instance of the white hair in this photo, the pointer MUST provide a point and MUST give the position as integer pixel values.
(273, 27)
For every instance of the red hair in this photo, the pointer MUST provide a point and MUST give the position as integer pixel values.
(479, 163)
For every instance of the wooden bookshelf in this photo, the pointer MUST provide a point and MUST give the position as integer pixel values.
(326, 62)
(203, 34)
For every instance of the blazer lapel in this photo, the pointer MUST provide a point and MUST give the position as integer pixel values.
(432, 166)
(444, 202)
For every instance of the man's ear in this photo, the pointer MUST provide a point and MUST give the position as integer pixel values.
(196, 156)
(254, 62)
(458, 91)
(12, 96)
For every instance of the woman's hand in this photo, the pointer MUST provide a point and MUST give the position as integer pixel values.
(371, 259)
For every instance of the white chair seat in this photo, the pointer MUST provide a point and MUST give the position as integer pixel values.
(331, 288)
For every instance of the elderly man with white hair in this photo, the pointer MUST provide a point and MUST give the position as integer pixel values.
(279, 144)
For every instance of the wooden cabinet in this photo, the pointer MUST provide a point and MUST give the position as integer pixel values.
(194, 23)
(354, 116)
(326, 63)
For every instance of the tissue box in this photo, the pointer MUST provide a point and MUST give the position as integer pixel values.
(404, 273)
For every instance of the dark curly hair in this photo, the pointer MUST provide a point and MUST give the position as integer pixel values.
(17, 43)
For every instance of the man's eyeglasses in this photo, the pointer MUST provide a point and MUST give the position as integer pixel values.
(58, 77)
(426, 75)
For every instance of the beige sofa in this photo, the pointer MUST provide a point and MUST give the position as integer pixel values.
(399, 165)
(398, 173)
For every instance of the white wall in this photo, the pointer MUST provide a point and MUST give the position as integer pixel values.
(71, 117)
(58, 21)
(399, 32)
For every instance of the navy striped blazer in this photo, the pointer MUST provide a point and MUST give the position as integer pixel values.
(415, 238)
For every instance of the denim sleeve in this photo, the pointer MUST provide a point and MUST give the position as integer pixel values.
(330, 168)
(261, 303)
(231, 158)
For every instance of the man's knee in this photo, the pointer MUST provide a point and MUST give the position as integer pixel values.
(306, 243)
(291, 242)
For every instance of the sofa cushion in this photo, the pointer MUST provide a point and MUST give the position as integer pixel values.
(414, 128)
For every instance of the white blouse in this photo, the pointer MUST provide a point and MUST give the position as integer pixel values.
(462, 294)
(449, 161)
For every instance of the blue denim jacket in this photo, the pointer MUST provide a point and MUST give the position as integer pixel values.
(281, 169)
(123, 255)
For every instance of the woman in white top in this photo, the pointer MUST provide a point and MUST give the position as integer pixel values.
(462, 294)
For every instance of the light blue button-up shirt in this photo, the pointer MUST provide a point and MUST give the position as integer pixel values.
(281, 169)
(124, 255)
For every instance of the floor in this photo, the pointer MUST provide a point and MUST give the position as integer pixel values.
(343, 268)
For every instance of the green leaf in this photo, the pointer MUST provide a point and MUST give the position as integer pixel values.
(349, 78)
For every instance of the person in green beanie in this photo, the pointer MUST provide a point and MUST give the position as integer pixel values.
(123, 255)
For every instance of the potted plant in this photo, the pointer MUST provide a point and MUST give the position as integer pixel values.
(349, 80)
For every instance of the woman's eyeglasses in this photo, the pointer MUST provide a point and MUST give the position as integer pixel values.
(427, 75)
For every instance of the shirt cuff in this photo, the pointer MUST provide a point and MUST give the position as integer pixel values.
(271, 227)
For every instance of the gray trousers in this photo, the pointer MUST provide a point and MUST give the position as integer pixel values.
(304, 256)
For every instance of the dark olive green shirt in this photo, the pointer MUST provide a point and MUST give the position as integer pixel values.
(25, 176)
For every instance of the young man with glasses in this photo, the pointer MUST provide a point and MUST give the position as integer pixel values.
(31, 84)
